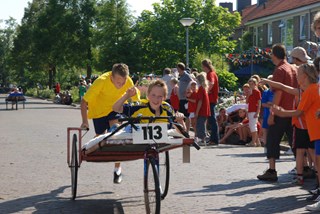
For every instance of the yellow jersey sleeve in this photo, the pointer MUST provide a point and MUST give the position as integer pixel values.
(103, 94)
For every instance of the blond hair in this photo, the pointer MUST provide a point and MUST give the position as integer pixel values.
(174, 81)
(310, 71)
(120, 69)
(202, 80)
(246, 85)
(158, 83)
(315, 22)
(207, 63)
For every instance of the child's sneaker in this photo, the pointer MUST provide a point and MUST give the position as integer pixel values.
(298, 181)
(314, 207)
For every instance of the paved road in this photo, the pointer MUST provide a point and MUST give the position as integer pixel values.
(35, 178)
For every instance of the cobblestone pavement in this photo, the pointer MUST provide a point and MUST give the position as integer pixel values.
(35, 178)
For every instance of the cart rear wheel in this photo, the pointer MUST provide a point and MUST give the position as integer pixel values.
(164, 173)
(152, 198)
(74, 167)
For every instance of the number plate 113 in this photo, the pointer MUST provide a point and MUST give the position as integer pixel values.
(150, 133)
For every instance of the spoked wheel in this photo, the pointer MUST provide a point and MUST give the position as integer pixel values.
(164, 173)
(74, 167)
(152, 197)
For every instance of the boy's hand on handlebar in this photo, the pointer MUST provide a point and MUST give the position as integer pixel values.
(179, 116)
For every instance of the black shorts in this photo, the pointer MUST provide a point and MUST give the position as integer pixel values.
(102, 124)
(301, 139)
(182, 107)
(275, 133)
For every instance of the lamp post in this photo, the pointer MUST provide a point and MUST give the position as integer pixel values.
(187, 22)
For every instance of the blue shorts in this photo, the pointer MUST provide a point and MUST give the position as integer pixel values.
(102, 124)
(317, 146)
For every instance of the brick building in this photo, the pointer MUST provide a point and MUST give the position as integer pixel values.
(279, 21)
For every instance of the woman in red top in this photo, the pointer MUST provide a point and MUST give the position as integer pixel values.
(174, 99)
(192, 102)
(254, 105)
(203, 106)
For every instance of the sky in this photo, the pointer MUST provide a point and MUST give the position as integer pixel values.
(15, 8)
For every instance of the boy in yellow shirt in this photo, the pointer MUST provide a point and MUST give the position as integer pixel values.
(98, 101)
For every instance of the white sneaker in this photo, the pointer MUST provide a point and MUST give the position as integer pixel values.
(288, 152)
(314, 207)
(293, 171)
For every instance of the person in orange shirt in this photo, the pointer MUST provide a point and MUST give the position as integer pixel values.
(309, 104)
(301, 140)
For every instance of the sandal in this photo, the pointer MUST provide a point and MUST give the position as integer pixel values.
(251, 144)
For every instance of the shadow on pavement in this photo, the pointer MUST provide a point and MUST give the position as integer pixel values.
(270, 205)
(283, 158)
(237, 185)
(52, 203)
(267, 206)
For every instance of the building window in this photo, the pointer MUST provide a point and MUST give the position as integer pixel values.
(269, 34)
(257, 36)
(303, 28)
(289, 34)
(260, 36)
(286, 30)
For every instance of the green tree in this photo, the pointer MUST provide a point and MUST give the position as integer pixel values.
(113, 35)
(162, 36)
(7, 35)
(55, 34)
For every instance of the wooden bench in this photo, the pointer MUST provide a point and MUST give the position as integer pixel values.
(15, 98)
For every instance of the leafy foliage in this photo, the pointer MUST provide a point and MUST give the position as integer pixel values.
(60, 40)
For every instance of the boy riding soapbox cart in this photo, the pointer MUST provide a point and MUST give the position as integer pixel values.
(136, 138)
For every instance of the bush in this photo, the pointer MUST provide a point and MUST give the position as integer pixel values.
(75, 94)
(32, 92)
(44, 93)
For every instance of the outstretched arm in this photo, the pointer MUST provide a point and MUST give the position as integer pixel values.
(283, 87)
(277, 110)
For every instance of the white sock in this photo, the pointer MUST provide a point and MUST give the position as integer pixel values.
(117, 170)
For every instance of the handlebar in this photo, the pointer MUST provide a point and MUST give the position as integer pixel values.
(150, 118)
(153, 118)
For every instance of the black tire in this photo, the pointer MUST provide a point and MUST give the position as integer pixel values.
(152, 197)
(74, 167)
(164, 173)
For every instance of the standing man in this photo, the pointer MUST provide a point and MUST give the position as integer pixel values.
(286, 74)
(166, 78)
(213, 91)
(99, 99)
(184, 81)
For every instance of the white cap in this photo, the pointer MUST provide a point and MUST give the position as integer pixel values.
(300, 53)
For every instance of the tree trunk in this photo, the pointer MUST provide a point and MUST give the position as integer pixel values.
(89, 71)
(89, 68)
(52, 74)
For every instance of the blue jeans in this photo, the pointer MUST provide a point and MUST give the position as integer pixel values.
(213, 125)
(201, 127)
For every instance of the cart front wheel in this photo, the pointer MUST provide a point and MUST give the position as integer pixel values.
(74, 167)
(152, 197)
(164, 173)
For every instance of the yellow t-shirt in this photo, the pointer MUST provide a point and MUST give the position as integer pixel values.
(102, 94)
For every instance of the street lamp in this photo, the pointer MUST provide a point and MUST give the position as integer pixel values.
(187, 22)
